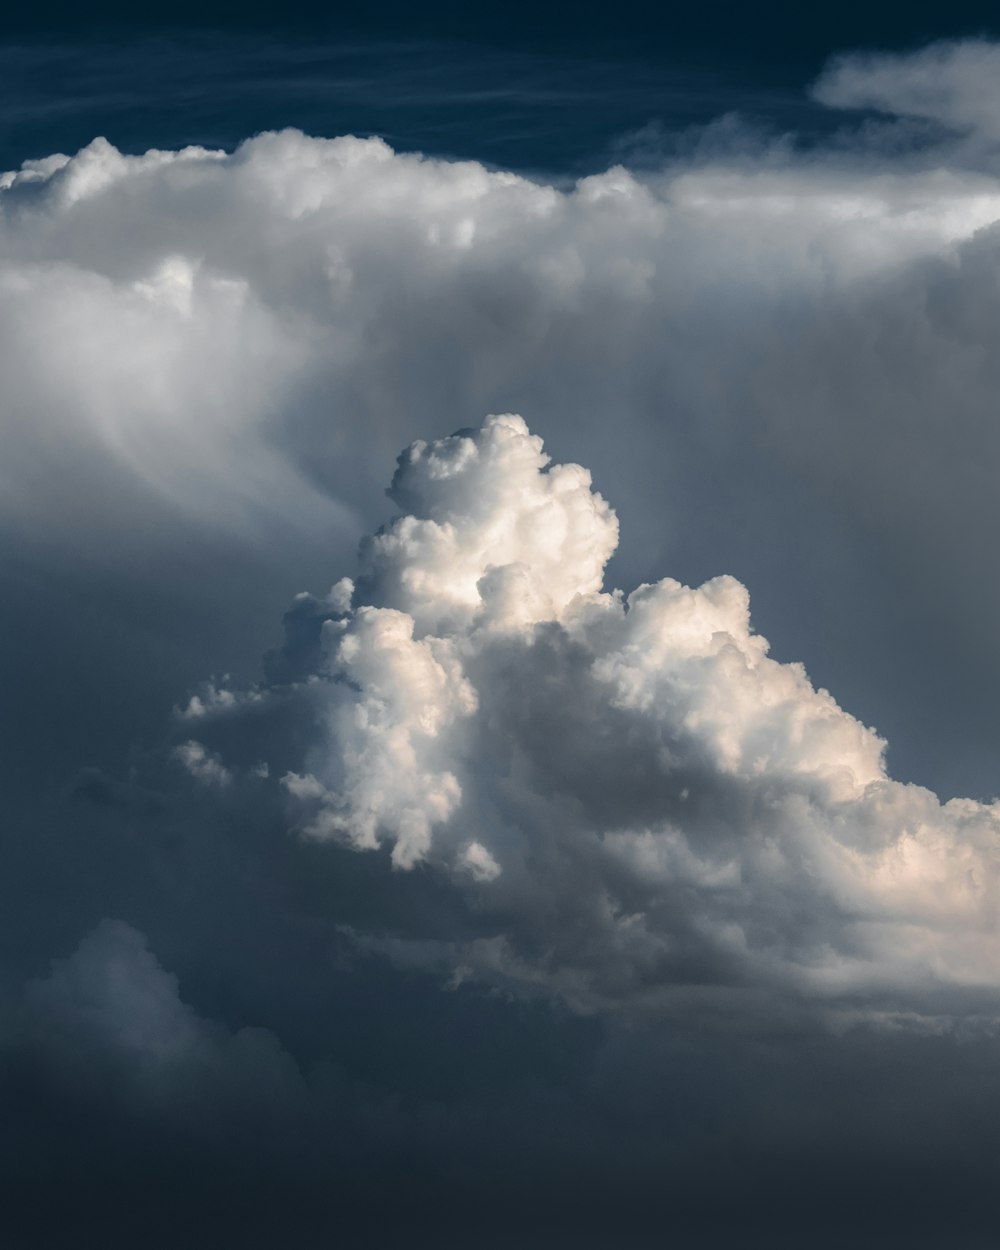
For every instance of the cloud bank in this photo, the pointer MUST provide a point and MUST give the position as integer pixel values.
(217, 351)
(221, 334)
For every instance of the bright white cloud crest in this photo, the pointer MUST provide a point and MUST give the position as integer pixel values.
(224, 332)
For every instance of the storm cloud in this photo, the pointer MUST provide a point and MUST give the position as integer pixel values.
(477, 885)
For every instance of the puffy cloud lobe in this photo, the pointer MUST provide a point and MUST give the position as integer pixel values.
(642, 802)
(493, 540)
(395, 739)
(484, 524)
(199, 763)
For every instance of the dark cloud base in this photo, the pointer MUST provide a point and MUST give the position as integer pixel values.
(371, 1106)
(820, 1156)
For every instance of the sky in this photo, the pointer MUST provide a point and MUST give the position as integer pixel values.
(498, 642)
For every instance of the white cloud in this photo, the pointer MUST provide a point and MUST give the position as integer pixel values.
(241, 336)
(237, 341)
(476, 860)
(486, 511)
(640, 798)
(203, 766)
(749, 352)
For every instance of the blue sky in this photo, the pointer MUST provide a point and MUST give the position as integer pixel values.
(519, 85)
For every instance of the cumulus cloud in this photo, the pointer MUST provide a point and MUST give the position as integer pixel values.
(778, 360)
(237, 337)
(642, 801)
(747, 350)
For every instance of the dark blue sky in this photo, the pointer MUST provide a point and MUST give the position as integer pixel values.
(779, 39)
(507, 106)
(520, 85)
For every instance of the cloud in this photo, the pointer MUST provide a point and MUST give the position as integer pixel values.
(777, 363)
(113, 991)
(643, 802)
(953, 82)
(777, 359)
(171, 365)
(209, 356)
(202, 766)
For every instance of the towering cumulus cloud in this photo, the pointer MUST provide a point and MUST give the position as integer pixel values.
(557, 914)
(638, 803)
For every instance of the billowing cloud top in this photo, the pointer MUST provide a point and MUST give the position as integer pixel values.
(637, 799)
(486, 524)
(628, 793)
(180, 326)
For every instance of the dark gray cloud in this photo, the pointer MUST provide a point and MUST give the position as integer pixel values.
(645, 1133)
